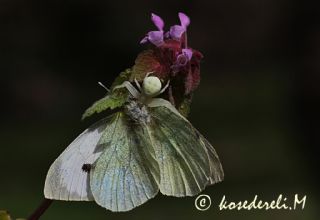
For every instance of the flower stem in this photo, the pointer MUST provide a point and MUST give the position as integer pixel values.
(40, 210)
(186, 40)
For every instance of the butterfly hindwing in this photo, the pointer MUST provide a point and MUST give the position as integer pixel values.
(188, 162)
(65, 179)
(183, 161)
(216, 171)
(126, 174)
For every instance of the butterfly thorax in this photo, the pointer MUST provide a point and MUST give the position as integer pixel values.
(137, 111)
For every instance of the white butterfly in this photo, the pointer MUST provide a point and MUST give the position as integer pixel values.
(127, 158)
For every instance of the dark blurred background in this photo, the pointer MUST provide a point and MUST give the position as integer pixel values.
(257, 102)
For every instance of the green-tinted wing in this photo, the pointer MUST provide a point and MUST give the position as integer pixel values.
(126, 174)
(183, 160)
(216, 171)
(65, 179)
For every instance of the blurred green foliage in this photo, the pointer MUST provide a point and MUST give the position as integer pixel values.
(4, 215)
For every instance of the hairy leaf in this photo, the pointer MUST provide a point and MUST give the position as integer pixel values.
(123, 76)
(112, 100)
(145, 62)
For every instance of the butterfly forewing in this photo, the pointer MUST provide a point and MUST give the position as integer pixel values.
(65, 179)
(183, 161)
(126, 174)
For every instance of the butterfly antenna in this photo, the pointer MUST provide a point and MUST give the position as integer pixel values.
(100, 83)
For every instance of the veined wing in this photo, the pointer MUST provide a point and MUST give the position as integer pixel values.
(187, 161)
(126, 174)
(65, 179)
(216, 170)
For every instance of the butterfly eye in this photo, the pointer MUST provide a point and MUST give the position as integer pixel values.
(151, 85)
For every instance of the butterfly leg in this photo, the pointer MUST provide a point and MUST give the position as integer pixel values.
(164, 88)
(148, 74)
(133, 91)
(100, 83)
(137, 84)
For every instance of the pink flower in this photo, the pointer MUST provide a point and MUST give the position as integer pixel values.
(172, 58)
(155, 37)
(176, 31)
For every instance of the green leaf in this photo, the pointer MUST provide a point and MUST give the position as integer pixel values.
(123, 76)
(113, 100)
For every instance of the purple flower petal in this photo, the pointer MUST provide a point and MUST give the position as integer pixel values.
(167, 34)
(184, 20)
(176, 31)
(182, 60)
(188, 53)
(158, 22)
(144, 40)
(156, 37)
